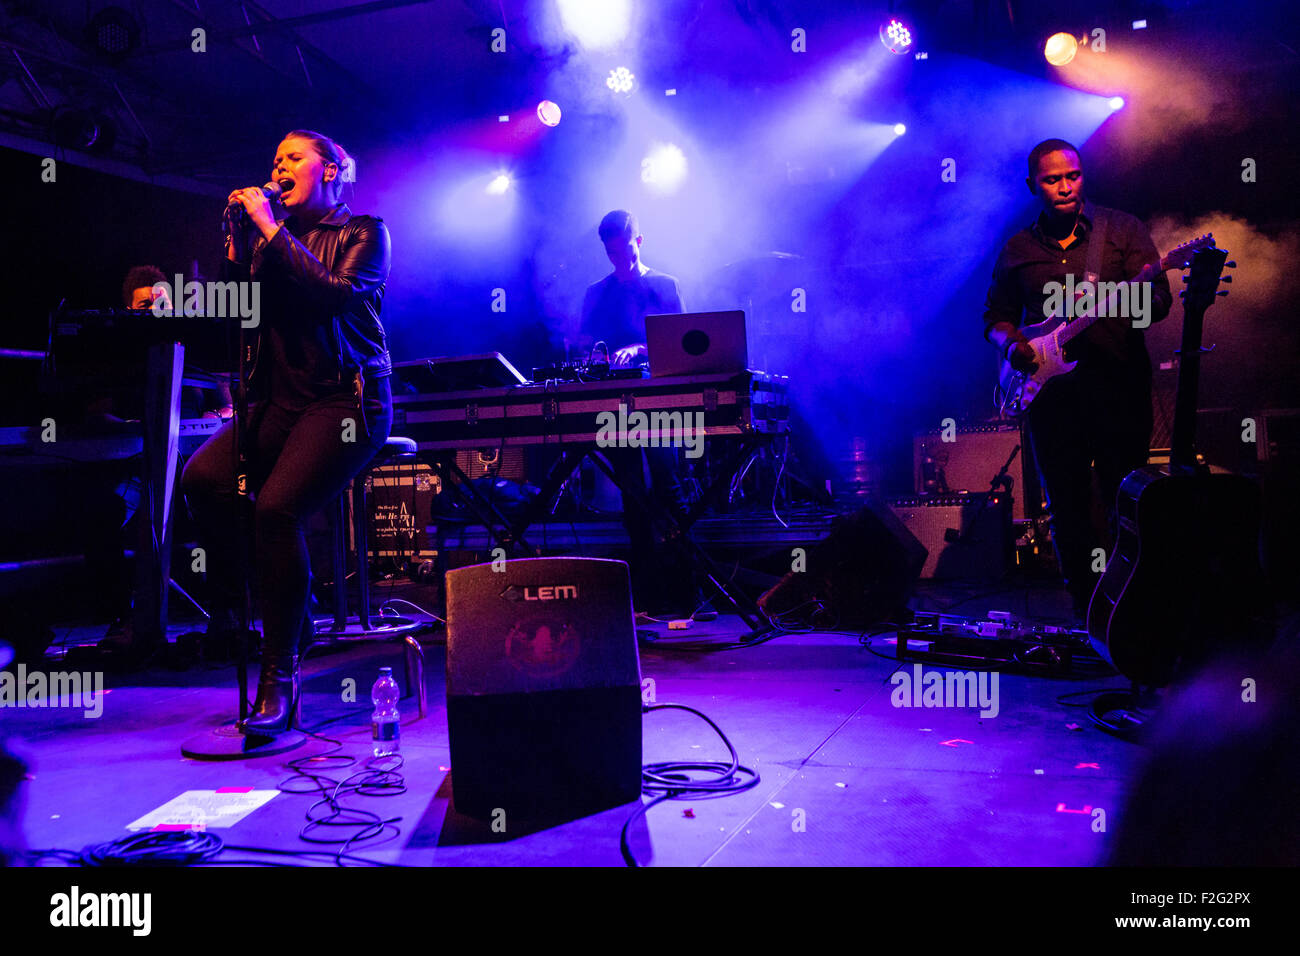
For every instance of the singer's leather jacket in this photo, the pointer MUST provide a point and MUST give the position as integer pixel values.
(329, 283)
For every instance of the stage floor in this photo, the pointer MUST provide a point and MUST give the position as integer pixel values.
(847, 777)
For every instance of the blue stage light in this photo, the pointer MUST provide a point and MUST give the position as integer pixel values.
(621, 80)
(896, 35)
(664, 169)
(596, 23)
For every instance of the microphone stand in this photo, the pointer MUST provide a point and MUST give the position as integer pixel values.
(228, 742)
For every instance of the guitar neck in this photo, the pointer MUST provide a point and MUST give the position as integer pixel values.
(1182, 444)
(1176, 259)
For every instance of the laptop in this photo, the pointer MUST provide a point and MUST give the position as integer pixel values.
(696, 343)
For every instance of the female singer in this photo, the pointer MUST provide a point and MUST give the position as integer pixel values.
(320, 400)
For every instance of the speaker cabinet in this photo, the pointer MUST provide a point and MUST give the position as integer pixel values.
(543, 688)
(966, 536)
(862, 573)
(970, 462)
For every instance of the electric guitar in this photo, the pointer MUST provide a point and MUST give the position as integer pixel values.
(1017, 390)
(1185, 579)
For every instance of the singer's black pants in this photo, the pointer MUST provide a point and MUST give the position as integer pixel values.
(1086, 418)
(300, 460)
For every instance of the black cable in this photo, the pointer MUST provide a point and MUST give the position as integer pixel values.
(154, 848)
(672, 780)
(378, 778)
(1064, 699)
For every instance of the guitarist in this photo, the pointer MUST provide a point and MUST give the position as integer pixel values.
(1100, 413)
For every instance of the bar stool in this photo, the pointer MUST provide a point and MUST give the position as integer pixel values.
(345, 628)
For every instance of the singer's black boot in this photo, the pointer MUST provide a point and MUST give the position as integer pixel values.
(277, 694)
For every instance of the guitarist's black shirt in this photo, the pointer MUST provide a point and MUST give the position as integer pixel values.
(1031, 259)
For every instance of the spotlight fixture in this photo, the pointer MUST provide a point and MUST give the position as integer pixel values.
(897, 36)
(621, 80)
(899, 129)
(499, 185)
(549, 113)
(1060, 49)
(113, 32)
(80, 129)
(1116, 102)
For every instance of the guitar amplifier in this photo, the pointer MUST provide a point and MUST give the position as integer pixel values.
(970, 462)
(968, 536)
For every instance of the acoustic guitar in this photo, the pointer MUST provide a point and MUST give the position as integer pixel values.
(1185, 579)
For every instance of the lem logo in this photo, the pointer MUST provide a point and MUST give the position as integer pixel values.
(557, 592)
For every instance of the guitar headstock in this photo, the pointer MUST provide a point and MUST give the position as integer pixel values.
(1181, 257)
(1204, 278)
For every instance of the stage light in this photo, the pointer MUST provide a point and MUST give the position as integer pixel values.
(899, 129)
(113, 32)
(896, 35)
(664, 169)
(596, 23)
(621, 80)
(499, 185)
(1060, 49)
(1117, 102)
(82, 129)
(549, 113)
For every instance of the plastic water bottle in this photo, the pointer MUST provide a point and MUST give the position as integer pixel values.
(385, 726)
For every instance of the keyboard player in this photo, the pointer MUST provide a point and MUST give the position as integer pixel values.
(614, 311)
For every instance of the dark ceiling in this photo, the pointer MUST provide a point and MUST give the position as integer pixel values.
(382, 67)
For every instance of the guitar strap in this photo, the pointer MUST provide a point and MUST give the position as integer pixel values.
(1096, 245)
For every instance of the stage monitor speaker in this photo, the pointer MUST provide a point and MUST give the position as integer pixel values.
(543, 688)
(862, 572)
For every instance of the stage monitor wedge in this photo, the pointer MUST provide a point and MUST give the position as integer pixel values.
(543, 688)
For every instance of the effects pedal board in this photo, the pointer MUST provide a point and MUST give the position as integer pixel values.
(999, 641)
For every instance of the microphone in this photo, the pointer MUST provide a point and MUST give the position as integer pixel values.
(270, 190)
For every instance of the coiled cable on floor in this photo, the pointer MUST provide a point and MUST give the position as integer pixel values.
(155, 848)
(673, 780)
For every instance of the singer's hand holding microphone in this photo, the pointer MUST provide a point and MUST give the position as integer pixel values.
(250, 205)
